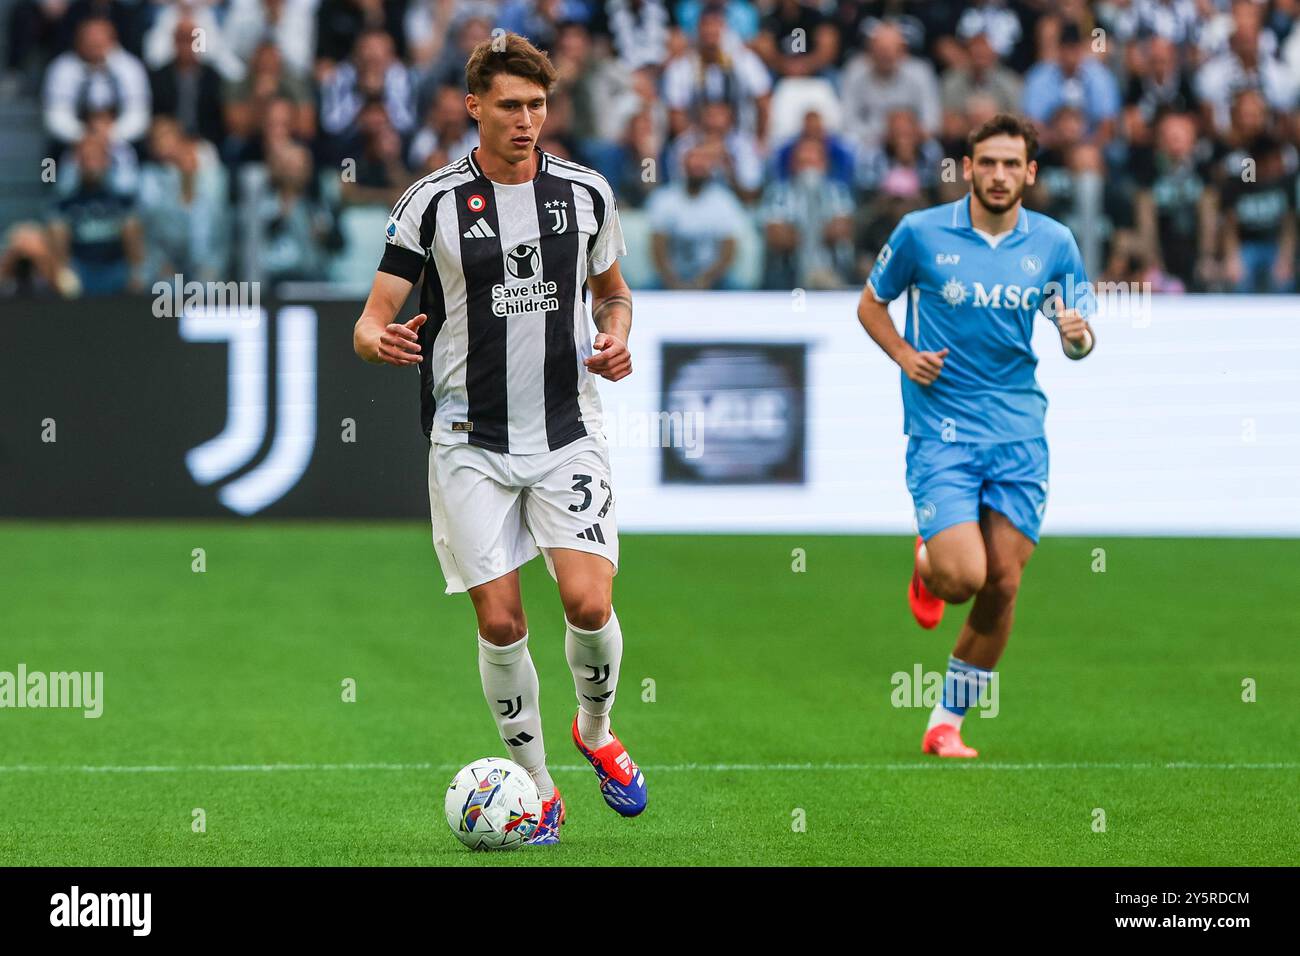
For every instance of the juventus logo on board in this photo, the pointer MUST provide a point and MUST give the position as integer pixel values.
(248, 407)
(560, 211)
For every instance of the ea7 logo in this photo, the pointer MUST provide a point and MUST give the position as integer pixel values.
(248, 405)
(946, 258)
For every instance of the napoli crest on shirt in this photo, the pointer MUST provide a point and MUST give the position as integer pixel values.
(1031, 264)
(559, 210)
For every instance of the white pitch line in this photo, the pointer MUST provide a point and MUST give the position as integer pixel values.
(661, 768)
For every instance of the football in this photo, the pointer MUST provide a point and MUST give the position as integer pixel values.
(493, 804)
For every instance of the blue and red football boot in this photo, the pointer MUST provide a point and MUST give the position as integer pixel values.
(548, 828)
(621, 782)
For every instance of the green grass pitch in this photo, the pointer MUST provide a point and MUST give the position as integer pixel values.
(771, 703)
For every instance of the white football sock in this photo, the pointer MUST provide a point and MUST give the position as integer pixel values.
(594, 657)
(941, 715)
(510, 686)
(542, 777)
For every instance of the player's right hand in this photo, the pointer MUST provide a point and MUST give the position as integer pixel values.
(924, 367)
(399, 343)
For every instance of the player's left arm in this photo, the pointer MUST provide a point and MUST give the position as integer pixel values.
(611, 310)
(611, 299)
(1071, 318)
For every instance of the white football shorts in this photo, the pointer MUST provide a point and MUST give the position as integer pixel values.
(492, 512)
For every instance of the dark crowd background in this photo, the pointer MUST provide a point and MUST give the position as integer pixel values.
(771, 144)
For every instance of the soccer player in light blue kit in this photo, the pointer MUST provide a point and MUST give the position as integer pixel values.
(976, 273)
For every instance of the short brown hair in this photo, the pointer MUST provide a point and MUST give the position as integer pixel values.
(1005, 124)
(509, 53)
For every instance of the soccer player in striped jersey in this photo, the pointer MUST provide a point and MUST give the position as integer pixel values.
(503, 242)
(976, 272)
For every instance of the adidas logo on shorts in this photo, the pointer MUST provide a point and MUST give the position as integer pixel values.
(593, 534)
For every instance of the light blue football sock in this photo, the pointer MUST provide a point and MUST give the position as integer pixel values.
(962, 686)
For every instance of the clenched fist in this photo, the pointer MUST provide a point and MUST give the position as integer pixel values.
(612, 359)
(399, 344)
(1075, 335)
(923, 367)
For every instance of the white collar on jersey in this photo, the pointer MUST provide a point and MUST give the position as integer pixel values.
(961, 219)
(990, 238)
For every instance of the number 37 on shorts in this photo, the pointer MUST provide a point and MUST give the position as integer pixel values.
(493, 511)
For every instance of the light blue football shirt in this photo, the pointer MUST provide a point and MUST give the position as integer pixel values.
(977, 296)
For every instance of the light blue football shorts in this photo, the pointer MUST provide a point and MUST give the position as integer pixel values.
(951, 481)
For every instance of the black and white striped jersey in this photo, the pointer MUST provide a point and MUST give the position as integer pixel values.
(508, 328)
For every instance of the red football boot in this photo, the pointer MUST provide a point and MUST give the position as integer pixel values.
(926, 608)
(944, 740)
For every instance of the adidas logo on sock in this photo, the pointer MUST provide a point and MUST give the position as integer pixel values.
(480, 230)
(523, 738)
(593, 534)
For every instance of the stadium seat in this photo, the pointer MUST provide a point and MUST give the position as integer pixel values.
(747, 271)
(363, 229)
(253, 182)
(638, 265)
(793, 97)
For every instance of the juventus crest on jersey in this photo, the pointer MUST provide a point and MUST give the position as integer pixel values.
(508, 327)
